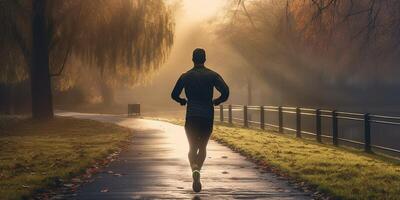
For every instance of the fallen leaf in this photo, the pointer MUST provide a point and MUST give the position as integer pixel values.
(68, 185)
(76, 180)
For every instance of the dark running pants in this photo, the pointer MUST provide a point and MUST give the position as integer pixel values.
(198, 131)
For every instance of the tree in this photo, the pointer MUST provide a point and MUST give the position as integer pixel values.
(42, 104)
(129, 34)
(339, 48)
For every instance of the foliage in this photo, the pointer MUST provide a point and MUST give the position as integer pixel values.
(370, 25)
(340, 48)
(33, 153)
(12, 52)
(123, 39)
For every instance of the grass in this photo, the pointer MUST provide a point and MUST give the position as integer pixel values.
(33, 153)
(342, 173)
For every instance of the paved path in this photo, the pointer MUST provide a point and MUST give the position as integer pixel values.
(156, 167)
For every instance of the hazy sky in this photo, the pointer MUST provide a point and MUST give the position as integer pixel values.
(192, 30)
(201, 10)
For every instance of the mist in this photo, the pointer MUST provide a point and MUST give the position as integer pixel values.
(193, 30)
(266, 67)
(266, 63)
(313, 57)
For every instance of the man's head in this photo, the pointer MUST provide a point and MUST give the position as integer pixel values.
(199, 56)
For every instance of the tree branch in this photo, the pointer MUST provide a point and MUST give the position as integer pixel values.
(248, 14)
(63, 65)
(21, 42)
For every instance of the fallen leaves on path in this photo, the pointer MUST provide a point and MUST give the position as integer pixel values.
(69, 188)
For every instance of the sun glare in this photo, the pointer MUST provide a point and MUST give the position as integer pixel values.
(202, 9)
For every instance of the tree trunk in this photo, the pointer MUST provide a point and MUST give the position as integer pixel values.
(42, 105)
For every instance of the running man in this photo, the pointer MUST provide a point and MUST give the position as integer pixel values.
(199, 83)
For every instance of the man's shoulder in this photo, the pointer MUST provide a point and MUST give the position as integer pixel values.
(204, 71)
(214, 74)
(186, 73)
(210, 71)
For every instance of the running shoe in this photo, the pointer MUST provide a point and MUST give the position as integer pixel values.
(196, 181)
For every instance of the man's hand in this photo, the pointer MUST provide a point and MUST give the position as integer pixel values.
(182, 102)
(216, 102)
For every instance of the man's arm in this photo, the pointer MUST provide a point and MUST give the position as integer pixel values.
(176, 92)
(221, 86)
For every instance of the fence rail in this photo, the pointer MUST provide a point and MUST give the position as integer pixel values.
(366, 118)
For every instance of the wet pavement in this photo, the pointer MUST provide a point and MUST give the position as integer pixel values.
(155, 166)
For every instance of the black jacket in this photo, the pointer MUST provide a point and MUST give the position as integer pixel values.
(199, 83)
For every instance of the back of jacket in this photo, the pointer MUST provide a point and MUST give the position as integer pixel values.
(199, 83)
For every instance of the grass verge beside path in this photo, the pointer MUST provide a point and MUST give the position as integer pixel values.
(33, 154)
(342, 173)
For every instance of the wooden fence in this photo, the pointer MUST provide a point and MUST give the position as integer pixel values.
(318, 114)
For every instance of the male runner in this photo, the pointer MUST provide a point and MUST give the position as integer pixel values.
(199, 83)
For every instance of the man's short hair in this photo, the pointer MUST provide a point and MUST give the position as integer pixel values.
(199, 56)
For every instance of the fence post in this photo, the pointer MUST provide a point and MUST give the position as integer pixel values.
(367, 133)
(245, 122)
(298, 122)
(318, 124)
(280, 119)
(230, 114)
(221, 113)
(262, 119)
(335, 139)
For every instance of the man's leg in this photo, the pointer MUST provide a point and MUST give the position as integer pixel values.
(192, 136)
(201, 141)
(198, 131)
(204, 136)
(193, 156)
(193, 145)
(202, 154)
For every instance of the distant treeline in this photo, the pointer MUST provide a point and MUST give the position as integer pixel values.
(319, 52)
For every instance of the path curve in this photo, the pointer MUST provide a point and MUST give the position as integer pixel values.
(155, 166)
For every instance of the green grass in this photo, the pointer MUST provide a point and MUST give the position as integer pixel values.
(342, 173)
(34, 153)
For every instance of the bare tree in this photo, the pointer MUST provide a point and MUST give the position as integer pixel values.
(329, 46)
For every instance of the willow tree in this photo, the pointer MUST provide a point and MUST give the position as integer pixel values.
(149, 35)
(132, 34)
